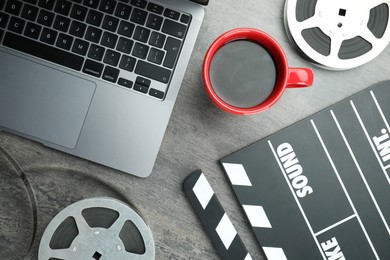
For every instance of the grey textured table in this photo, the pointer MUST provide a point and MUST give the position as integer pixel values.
(198, 135)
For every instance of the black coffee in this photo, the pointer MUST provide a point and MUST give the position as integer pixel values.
(243, 73)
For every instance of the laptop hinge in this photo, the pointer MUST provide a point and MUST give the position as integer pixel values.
(202, 2)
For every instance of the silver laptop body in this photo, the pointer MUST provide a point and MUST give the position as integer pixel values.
(86, 116)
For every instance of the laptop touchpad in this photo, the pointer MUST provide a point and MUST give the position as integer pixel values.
(43, 102)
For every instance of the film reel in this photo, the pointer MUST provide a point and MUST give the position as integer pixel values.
(97, 228)
(338, 34)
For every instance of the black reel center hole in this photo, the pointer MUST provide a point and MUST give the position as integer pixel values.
(342, 12)
(96, 255)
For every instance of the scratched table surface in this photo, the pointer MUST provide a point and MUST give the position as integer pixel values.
(198, 135)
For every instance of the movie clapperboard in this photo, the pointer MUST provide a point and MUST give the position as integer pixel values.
(320, 189)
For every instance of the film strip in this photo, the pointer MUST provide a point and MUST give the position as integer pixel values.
(338, 35)
(214, 218)
(97, 228)
(18, 220)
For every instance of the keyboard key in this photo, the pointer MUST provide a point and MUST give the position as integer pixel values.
(3, 20)
(157, 39)
(107, 6)
(16, 24)
(93, 34)
(124, 45)
(123, 11)
(125, 82)
(45, 18)
(141, 34)
(46, 52)
(152, 71)
(185, 19)
(93, 68)
(138, 16)
(155, 8)
(154, 22)
(141, 88)
(79, 12)
(143, 81)
(33, 2)
(156, 56)
(112, 58)
(47, 4)
(173, 28)
(140, 50)
(110, 23)
(61, 23)
(91, 3)
(80, 47)
(156, 93)
(32, 30)
(126, 29)
(64, 41)
(77, 29)
(109, 40)
(172, 14)
(139, 3)
(96, 52)
(48, 36)
(1, 34)
(110, 74)
(172, 47)
(13, 7)
(94, 18)
(30, 12)
(127, 63)
(63, 7)
(2, 3)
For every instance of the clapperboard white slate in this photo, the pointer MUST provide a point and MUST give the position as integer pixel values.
(320, 189)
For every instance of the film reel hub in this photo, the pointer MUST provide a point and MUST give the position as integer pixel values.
(97, 228)
(344, 20)
(338, 34)
(97, 237)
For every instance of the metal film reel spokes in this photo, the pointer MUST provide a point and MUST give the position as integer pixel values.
(338, 34)
(97, 228)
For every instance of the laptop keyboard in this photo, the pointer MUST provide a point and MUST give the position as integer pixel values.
(131, 43)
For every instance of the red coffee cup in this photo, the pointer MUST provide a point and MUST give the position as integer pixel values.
(242, 53)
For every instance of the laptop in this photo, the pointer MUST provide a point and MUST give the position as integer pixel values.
(97, 79)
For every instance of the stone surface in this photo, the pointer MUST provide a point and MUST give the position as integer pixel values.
(198, 135)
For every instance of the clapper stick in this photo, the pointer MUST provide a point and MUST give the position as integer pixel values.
(214, 218)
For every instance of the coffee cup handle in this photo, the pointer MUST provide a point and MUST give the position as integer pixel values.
(300, 77)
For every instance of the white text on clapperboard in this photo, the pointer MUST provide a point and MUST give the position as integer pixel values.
(382, 144)
(300, 183)
(294, 170)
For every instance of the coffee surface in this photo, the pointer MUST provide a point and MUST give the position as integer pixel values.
(243, 73)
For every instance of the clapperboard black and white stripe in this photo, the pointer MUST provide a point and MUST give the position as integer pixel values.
(255, 213)
(214, 218)
(320, 189)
